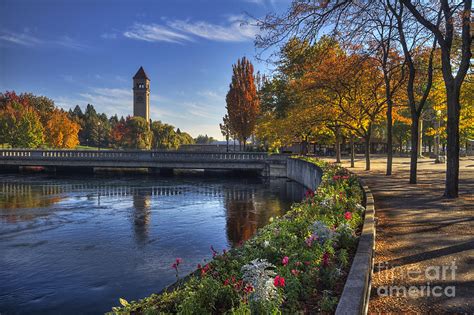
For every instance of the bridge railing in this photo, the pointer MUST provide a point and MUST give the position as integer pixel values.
(126, 155)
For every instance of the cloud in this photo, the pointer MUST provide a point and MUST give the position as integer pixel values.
(23, 39)
(155, 33)
(108, 35)
(236, 29)
(26, 39)
(68, 42)
(108, 100)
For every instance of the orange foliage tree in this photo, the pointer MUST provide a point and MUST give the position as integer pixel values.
(242, 101)
(61, 131)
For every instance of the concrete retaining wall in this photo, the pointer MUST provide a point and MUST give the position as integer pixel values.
(305, 173)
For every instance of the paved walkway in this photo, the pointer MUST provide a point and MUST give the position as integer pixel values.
(419, 232)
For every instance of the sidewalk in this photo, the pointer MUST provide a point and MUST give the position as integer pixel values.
(419, 232)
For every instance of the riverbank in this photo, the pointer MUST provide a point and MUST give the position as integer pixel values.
(298, 262)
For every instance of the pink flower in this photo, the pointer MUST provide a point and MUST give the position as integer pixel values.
(285, 260)
(199, 266)
(309, 241)
(279, 281)
(348, 215)
(178, 261)
(174, 266)
(307, 263)
(295, 272)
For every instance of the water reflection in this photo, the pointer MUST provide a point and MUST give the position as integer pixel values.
(141, 214)
(81, 243)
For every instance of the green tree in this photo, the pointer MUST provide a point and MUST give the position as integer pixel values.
(139, 135)
(26, 129)
(164, 136)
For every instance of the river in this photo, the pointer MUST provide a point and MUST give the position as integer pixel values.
(75, 245)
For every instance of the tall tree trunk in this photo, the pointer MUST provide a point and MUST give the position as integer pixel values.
(352, 151)
(338, 145)
(420, 137)
(452, 156)
(414, 148)
(389, 137)
(304, 145)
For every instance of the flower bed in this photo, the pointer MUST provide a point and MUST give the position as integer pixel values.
(296, 263)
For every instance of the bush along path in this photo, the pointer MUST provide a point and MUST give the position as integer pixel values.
(298, 262)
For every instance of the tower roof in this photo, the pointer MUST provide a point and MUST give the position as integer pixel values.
(141, 74)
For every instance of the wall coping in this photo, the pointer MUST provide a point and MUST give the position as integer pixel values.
(356, 294)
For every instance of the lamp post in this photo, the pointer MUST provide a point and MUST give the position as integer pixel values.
(98, 135)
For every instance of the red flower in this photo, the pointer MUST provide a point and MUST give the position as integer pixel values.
(285, 260)
(226, 282)
(248, 288)
(295, 272)
(326, 257)
(199, 266)
(348, 215)
(279, 281)
(178, 261)
(174, 266)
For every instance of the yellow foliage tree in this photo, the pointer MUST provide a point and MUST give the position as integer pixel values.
(62, 132)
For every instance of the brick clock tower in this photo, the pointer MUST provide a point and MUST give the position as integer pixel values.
(141, 95)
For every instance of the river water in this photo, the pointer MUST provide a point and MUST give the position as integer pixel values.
(75, 245)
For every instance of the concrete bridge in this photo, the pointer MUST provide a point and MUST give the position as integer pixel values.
(164, 161)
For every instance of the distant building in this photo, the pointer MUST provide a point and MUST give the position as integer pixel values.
(141, 95)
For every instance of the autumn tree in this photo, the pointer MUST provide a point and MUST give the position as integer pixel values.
(446, 20)
(417, 22)
(20, 123)
(242, 101)
(61, 131)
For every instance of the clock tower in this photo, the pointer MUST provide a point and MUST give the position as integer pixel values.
(141, 95)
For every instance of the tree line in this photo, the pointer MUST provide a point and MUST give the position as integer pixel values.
(29, 121)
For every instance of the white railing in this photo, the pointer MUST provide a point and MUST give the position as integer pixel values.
(121, 155)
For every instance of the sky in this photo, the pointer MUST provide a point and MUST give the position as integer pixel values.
(78, 52)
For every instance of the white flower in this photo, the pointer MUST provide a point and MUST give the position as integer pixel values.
(266, 243)
(259, 274)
